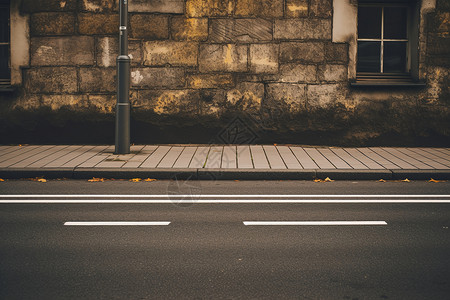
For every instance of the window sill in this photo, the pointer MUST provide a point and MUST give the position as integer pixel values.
(4, 88)
(388, 80)
(387, 84)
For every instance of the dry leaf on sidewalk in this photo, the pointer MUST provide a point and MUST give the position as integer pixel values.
(94, 179)
(434, 180)
(38, 179)
(149, 179)
(1, 180)
(325, 180)
(406, 180)
(135, 179)
(382, 180)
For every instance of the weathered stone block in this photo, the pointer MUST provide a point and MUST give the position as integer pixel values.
(296, 8)
(157, 77)
(97, 80)
(107, 49)
(228, 58)
(209, 8)
(149, 26)
(209, 81)
(438, 91)
(258, 8)
(159, 53)
(28, 102)
(321, 8)
(31, 6)
(98, 5)
(211, 102)
(333, 73)
(264, 58)
(51, 80)
(172, 102)
(336, 52)
(302, 52)
(323, 95)
(55, 102)
(298, 73)
(157, 6)
(247, 95)
(439, 22)
(102, 103)
(52, 23)
(438, 45)
(90, 23)
(75, 50)
(291, 95)
(240, 30)
(303, 29)
(190, 29)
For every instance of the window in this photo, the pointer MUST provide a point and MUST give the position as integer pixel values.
(387, 42)
(5, 71)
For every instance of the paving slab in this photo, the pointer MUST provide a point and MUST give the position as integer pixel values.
(244, 158)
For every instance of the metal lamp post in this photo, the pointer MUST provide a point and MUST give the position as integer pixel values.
(123, 86)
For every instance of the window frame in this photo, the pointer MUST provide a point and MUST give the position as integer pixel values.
(6, 82)
(409, 78)
(382, 40)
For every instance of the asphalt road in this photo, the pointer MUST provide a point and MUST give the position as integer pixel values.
(206, 252)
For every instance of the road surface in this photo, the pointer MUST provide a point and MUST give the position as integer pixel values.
(341, 241)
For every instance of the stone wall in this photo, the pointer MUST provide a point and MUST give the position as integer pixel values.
(197, 65)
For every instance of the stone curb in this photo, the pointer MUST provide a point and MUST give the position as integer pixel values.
(120, 173)
(255, 174)
(337, 174)
(421, 174)
(223, 174)
(33, 173)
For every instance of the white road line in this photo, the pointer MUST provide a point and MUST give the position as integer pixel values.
(313, 223)
(121, 223)
(221, 196)
(228, 201)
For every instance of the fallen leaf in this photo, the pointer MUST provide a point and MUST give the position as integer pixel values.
(434, 180)
(39, 179)
(95, 179)
(382, 180)
(236, 180)
(328, 179)
(317, 180)
(1, 180)
(149, 179)
(135, 179)
(406, 180)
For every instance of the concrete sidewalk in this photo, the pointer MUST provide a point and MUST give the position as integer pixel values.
(234, 162)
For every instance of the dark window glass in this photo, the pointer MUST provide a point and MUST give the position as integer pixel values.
(4, 24)
(4, 62)
(369, 57)
(4, 42)
(394, 58)
(395, 21)
(369, 22)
